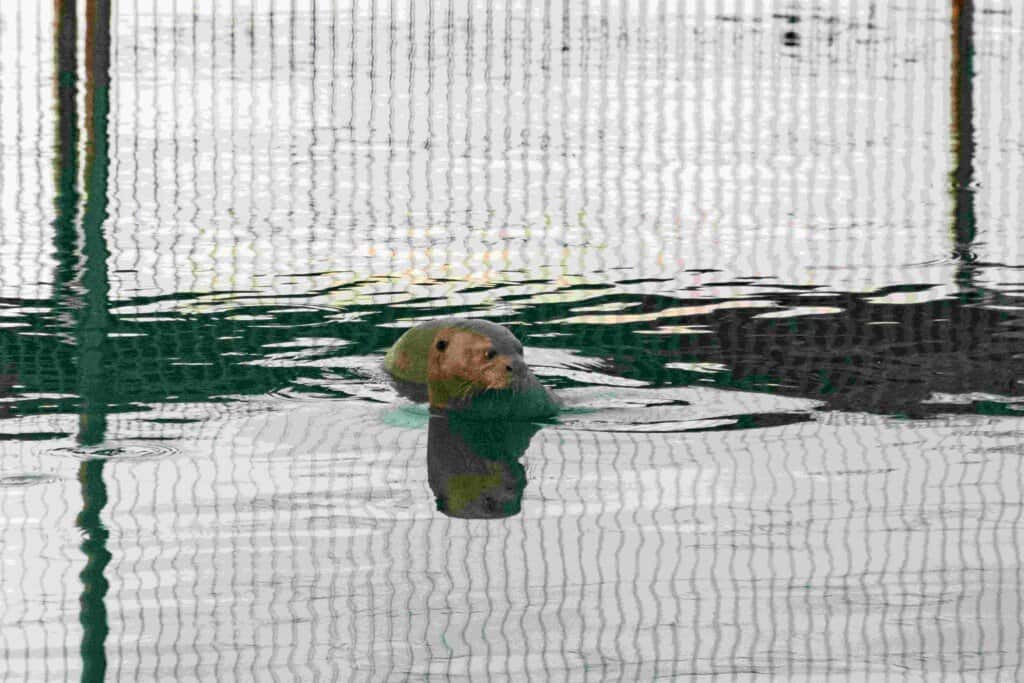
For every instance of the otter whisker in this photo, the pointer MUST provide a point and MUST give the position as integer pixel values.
(465, 389)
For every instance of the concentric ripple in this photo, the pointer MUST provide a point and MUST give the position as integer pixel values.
(117, 451)
(26, 479)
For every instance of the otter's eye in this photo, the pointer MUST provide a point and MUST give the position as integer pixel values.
(489, 354)
(441, 345)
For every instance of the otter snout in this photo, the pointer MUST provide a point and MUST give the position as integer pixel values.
(517, 367)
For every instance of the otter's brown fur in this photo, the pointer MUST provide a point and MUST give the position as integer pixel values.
(450, 361)
(461, 355)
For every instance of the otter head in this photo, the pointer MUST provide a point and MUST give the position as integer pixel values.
(462, 362)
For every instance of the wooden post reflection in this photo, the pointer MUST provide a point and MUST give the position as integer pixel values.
(93, 321)
(92, 603)
(964, 221)
(65, 158)
(83, 288)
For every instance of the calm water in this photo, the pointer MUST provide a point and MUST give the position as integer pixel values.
(772, 259)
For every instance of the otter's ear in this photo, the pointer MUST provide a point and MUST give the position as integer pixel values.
(441, 345)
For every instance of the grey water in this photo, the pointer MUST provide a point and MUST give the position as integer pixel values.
(769, 254)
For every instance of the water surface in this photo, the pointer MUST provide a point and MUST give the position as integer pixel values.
(771, 259)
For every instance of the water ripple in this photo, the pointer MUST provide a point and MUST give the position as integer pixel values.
(26, 479)
(133, 450)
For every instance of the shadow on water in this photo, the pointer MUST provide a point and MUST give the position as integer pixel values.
(86, 302)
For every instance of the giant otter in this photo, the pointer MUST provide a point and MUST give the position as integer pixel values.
(468, 365)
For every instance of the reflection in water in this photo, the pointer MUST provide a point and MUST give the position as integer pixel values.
(697, 201)
(93, 318)
(66, 148)
(93, 616)
(473, 466)
(7, 381)
(87, 300)
(886, 351)
(964, 224)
